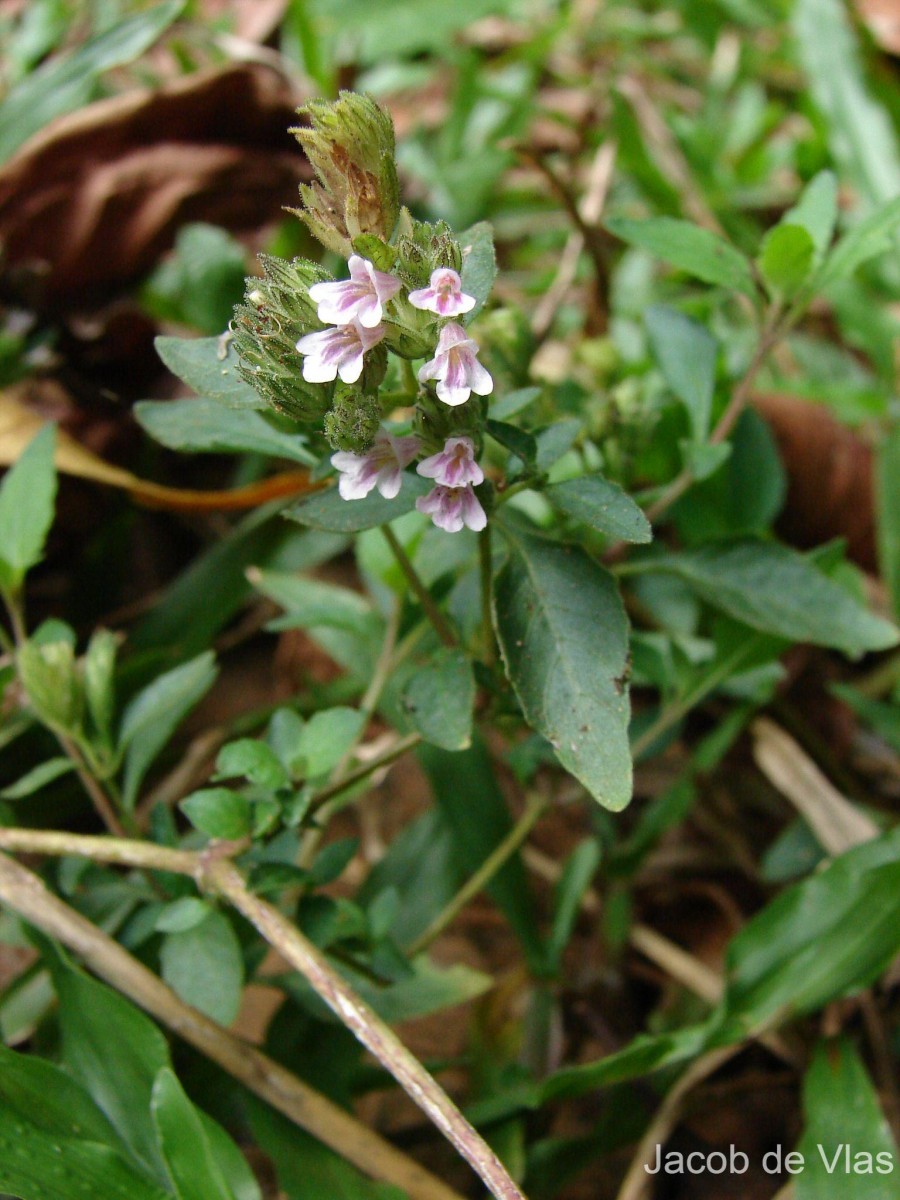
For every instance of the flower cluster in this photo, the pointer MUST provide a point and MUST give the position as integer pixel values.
(451, 504)
(355, 311)
(404, 295)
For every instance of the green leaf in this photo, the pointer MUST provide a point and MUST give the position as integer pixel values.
(514, 402)
(218, 812)
(817, 210)
(872, 236)
(645, 1054)
(99, 680)
(41, 1166)
(579, 870)
(326, 738)
(439, 698)
(202, 426)
(63, 84)
(52, 1100)
(564, 638)
(882, 717)
(209, 367)
(309, 602)
(182, 914)
(686, 352)
(703, 459)
(37, 778)
(602, 506)
(205, 597)
(786, 258)
(429, 989)
(188, 1156)
(859, 130)
(776, 590)
(239, 1179)
(154, 714)
(342, 621)
(556, 440)
(464, 784)
(252, 759)
(523, 445)
(689, 248)
(328, 510)
(842, 1111)
(743, 498)
(27, 496)
(396, 29)
(824, 938)
(200, 283)
(479, 264)
(306, 1169)
(421, 867)
(49, 676)
(887, 508)
(115, 1052)
(204, 966)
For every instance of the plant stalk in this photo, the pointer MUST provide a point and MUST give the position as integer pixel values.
(215, 874)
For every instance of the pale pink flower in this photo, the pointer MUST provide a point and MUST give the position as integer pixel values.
(360, 298)
(454, 466)
(456, 368)
(444, 295)
(337, 351)
(380, 467)
(453, 507)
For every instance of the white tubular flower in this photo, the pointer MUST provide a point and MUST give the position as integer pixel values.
(380, 467)
(360, 298)
(444, 295)
(456, 367)
(338, 351)
(454, 466)
(452, 508)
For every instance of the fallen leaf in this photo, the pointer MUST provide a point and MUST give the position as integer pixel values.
(19, 424)
(836, 823)
(91, 202)
(883, 20)
(829, 469)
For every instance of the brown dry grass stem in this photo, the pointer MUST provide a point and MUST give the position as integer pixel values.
(215, 874)
(23, 892)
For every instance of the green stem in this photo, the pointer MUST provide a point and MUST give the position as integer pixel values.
(670, 715)
(332, 790)
(487, 579)
(103, 805)
(494, 862)
(409, 378)
(425, 598)
(13, 603)
(521, 485)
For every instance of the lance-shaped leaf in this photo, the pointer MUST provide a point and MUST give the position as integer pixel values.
(564, 637)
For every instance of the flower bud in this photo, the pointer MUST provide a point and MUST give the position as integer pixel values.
(353, 421)
(423, 248)
(276, 312)
(52, 681)
(350, 146)
(434, 422)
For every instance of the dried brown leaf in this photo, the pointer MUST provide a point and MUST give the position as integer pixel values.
(90, 203)
(19, 424)
(829, 469)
